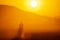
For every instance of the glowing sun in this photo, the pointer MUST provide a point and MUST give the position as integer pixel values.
(33, 3)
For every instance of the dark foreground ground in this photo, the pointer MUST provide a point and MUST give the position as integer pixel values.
(41, 36)
(45, 36)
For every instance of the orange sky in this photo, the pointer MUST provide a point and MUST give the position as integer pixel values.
(48, 8)
(38, 20)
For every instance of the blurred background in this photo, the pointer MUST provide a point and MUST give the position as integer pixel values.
(37, 19)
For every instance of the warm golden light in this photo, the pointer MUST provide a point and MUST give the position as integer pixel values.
(33, 3)
(37, 15)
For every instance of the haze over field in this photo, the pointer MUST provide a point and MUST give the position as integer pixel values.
(35, 21)
(29, 19)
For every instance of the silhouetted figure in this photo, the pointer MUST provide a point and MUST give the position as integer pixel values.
(19, 33)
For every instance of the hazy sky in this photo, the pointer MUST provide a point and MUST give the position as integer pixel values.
(44, 18)
(48, 7)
